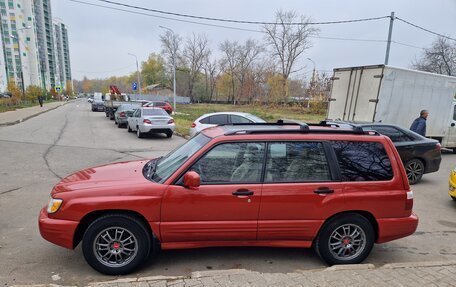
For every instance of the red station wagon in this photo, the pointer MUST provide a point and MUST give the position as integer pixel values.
(279, 185)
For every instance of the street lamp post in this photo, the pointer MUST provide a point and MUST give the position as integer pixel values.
(174, 66)
(20, 57)
(137, 72)
(312, 84)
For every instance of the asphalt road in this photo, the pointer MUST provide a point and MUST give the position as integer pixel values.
(37, 153)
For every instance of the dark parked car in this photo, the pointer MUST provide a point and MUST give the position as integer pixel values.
(420, 155)
(123, 112)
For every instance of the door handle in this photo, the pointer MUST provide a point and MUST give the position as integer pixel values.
(323, 190)
(242, 192)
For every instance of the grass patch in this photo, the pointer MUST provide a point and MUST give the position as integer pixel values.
(269, 113)
(5, 106)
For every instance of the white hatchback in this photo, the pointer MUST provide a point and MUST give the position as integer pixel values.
(222, 118)
(151, 120)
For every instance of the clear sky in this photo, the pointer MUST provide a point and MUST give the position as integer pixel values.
(100, 38)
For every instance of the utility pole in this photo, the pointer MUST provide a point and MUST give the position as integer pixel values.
(390, 33)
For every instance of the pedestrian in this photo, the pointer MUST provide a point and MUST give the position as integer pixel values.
(419, 124)
(40, 100)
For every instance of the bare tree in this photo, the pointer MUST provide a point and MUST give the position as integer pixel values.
(195, 53)
(440, 58)
(247, 54)
(229, 63)
(288, 42)
(170, 49)
(211, 72)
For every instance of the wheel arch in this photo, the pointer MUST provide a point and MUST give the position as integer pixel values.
(366, 214)
(85, 222)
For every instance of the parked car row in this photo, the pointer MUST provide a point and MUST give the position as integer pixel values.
(144, 118)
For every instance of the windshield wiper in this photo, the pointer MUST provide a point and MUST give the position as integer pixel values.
(152, 166)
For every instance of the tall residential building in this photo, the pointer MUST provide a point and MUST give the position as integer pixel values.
(45, 35)
(34, 49)
(62, 53)
(19, 44)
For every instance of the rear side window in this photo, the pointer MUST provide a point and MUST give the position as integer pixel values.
(218, 120)
(394, 134)
(362, 161)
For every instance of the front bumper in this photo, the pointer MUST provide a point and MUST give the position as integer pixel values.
(57, 231)
(395, 228)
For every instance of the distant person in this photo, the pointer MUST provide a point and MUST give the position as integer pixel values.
(419, 124)
(40, 100)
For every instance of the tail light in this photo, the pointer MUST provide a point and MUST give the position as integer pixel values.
(171, 121)
(193, 125)
(147, 121)
(122, 114)
(409, 200)
(438, 147)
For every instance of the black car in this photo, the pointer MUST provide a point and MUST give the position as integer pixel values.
(420, 155)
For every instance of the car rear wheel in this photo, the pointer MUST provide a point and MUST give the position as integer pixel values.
(453, 198)
(169, 134)
(129, 129)
(139, 134)
(415, 170)
(347, 239)
(116, 244)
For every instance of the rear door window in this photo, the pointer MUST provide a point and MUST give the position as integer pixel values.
(362, 161)
(239, 120)
(218, 120)
(296, 162)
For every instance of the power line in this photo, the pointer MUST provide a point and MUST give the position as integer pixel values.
(240, 21)
(424, 29)
(407, 45)
(167, 18)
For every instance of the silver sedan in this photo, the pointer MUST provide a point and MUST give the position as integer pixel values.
(147, 120)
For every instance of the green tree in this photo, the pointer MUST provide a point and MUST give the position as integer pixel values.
(32, 93)
(153, 70)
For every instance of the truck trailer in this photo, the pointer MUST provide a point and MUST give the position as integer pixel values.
(387, 94)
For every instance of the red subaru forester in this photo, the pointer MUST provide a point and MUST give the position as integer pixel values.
(279, 185)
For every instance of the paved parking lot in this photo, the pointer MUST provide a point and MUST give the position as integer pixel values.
(40, 151)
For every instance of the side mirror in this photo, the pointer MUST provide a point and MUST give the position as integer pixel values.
(452, 124)
(192, 180)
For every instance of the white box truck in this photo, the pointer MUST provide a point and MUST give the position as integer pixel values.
(395, 95)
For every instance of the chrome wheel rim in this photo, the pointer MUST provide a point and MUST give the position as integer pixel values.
(115, 247)
(347, 242)
(414, 170)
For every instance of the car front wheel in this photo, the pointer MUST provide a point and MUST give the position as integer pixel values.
(139, 134)
(415, 170)
(116, 244)
(347, 239)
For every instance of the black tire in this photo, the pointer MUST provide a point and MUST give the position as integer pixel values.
(139, 134)
(141, 244)
(169, 134)
(128, 128)
(415, 170)
(454, 150)
(327, 236)
(107, 115)
(119, 125)
(453, 198)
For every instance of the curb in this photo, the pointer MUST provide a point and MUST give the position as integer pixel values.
(233, 272)
(181, 135)
(31, 116)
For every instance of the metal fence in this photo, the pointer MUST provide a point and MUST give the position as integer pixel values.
(151, 97)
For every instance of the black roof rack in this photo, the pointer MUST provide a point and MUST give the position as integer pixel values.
(303, 128)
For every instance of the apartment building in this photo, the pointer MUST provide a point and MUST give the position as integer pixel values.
(34, 46)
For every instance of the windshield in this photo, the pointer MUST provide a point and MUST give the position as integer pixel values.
(170, 163)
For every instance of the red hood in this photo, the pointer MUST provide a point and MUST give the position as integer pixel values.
(110, 175)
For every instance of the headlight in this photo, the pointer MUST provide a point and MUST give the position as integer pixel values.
(54, 205)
